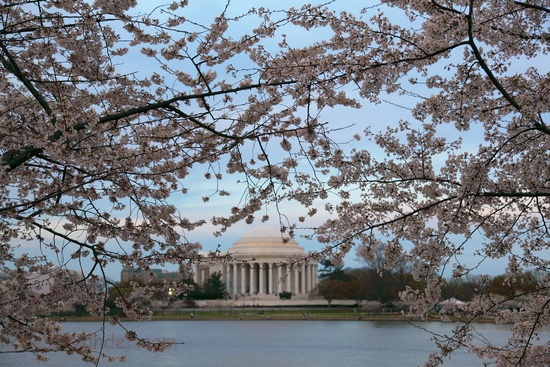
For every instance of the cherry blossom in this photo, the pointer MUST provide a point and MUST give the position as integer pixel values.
(110, 113)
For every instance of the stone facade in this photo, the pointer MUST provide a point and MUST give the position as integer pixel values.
(259, 267)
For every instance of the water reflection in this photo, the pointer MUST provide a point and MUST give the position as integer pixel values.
(272, 344)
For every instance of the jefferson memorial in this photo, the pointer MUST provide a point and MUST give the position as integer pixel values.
(258, 267)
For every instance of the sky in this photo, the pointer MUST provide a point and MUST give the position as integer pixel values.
(369, 115)
(391, 109)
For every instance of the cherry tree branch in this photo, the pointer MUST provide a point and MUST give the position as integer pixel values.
(11, 64)
(532, 6)
(13, 158)
(481, 60)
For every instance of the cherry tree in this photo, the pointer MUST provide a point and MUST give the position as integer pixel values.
(107, 114)
(468, 166)
(110, 113)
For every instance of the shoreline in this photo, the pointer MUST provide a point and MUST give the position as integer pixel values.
(216, 315)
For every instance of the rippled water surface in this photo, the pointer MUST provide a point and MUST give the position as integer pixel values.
(270, 343)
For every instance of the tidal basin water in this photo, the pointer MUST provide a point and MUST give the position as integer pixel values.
(270, 343)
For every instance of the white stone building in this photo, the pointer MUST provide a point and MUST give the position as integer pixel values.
(258, 267)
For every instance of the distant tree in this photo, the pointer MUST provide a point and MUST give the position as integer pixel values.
(463, 289)
(214, 287)
(355, 289)
(331, 271)
(113, 112)
(331, 289)
(386, 279)
(80, 309)
(513, 285)
(117, 291)
(360, 283)
(195, 292)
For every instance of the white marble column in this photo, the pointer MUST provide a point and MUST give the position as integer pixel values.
(235, 278)
(288, 276)
(222, 270)
(279, 278)
(261, 289)
(308, 277)
(195, 273)
(304, 290)
(226, 277)
(312, 276)
(243, 278)
(270, 278)
(315, 270)
(252, 278)
(205, 275)
(296, 274)
(200, 277)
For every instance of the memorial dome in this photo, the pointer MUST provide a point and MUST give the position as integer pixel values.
(265, 242)
(257, 266)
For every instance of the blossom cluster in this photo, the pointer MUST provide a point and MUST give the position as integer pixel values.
(96, 156)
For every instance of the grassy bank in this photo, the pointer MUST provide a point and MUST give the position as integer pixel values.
(343, 314)
(264, 314)
(277, 315)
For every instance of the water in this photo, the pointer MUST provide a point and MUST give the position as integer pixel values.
(269, 343)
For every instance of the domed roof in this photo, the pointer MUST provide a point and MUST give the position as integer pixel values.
(265, 242)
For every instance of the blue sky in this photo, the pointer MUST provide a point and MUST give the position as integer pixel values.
(375, 116)
(369, 116)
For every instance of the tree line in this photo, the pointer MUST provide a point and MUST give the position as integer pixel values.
(420, 122)
(384, 285)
